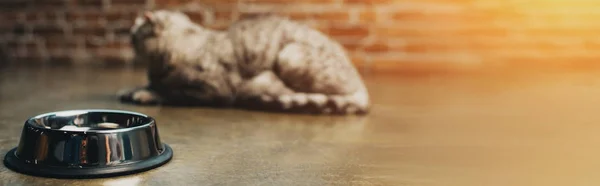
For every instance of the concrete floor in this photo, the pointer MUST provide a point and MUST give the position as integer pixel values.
(535, 129)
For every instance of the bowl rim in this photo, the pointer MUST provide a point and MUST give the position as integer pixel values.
(151, 120)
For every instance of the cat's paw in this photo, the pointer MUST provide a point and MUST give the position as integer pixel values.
(138, 96)
(125, 94)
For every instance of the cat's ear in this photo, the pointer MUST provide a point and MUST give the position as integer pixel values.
(149, 16)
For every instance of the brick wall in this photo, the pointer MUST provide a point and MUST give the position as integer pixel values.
(381, 35)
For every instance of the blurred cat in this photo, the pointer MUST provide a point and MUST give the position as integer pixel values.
(263, 63)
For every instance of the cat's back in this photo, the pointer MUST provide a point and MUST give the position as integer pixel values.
(258, 21)
(260, 24)
(275, 26)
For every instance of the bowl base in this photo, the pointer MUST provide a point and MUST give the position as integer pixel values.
(12, 162)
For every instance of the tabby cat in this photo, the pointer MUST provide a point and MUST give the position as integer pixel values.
(268, 63)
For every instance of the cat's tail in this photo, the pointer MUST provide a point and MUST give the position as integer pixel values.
(313, 103)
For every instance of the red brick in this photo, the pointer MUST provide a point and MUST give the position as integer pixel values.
(106, 45)
(377, 47)
(48, 17)
(5, 29)
(367, 16)
(72, 16)
(351, 46)
(59, 41)
(168, 3)
(121, 29)
(223, 15)
(196, 16)
(367, 2)
(321, 27)
(328, 15)
(299, 15)
(95, 42)
(348, 30)
(290, 1)
(29, 44)
(29, 16)
(409, 31)
(488, 31)
(51, 29)
(11, 44)
(88, 3)
(89, 31)
(45, 5)
(9, 15)
(128, 2)
(411, 15)
(91, 15)
(113, 16)
(13, 5)
(357, 60)
(19, 29)
(416, 47)
(117, 45)
(84, 15)
(443, 16)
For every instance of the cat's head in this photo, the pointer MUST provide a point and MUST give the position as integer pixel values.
(153, 23)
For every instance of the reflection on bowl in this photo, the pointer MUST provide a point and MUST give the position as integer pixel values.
(88, 143)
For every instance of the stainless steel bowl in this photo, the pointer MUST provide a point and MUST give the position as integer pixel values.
(88, 143)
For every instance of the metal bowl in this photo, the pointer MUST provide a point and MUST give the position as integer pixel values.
(88, 143)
